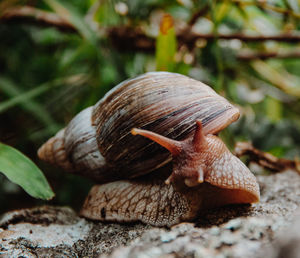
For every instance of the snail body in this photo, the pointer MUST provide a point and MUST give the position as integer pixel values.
(136, 179)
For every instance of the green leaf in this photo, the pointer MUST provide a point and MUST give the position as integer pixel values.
(222, 11)
(166, 45)
(278, 77)
(67, 12)
(273, 109)
(278, 151)
(18, 97)
(22, 171)
(26, 99)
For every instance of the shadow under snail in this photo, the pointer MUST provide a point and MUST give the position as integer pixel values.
(173, 169)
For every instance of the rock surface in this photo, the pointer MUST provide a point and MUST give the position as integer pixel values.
(260, 230)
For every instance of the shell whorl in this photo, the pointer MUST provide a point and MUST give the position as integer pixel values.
(162, 102)
(53, 151)
(74, 148)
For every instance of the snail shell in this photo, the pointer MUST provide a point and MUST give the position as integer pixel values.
(178, 113)
(97, 143)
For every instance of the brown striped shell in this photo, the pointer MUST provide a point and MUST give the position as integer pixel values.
(98, 143)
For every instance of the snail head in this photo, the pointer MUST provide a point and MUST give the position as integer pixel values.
(192, 157)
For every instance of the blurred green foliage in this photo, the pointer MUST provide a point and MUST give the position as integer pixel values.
(48, 74)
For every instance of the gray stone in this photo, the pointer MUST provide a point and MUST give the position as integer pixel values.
(260, 230)
(287, 242)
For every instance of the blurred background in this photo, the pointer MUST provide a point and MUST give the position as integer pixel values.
(58, 57)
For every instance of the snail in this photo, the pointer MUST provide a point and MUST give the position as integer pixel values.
(150, 143)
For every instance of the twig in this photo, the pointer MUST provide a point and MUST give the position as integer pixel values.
(132, 38)
(135, 39)
(284, 37)
(125, 38)
(266, 55)
(120, 34)
(36, 16)
(198, 14)
(264, 159)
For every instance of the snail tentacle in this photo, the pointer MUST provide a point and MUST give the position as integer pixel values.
(171, 145)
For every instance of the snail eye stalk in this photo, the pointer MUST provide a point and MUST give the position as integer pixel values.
(171, 145)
